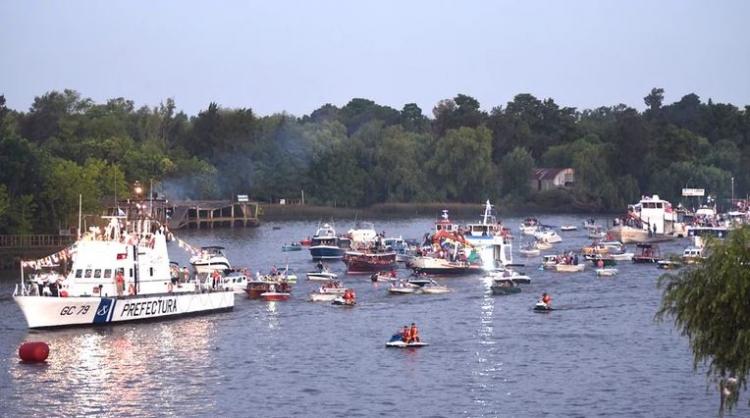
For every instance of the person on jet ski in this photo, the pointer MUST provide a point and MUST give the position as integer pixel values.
(546, 299)
(414, 333)
(406, 334)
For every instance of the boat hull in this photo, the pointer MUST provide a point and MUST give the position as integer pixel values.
(569, 268)
(50, 312)
(326, 252)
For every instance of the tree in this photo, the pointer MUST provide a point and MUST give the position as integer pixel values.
(654, 99)
(462, 164)
(709, 305)
(516, 168)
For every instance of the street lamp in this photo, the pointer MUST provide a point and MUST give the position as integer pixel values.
(138, 189)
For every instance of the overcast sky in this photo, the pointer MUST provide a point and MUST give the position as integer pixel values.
(278, 56)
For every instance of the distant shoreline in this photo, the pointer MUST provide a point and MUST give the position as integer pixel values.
(276, 212)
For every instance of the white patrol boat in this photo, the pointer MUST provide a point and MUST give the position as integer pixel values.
(117, 278)
(490, 240)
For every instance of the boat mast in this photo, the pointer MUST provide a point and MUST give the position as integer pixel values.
(80, 200)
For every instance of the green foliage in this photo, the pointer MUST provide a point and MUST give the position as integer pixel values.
(462, 163)
(516, 169)
(365, 153)
(709, 305)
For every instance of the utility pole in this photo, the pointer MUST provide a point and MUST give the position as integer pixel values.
(731, 205)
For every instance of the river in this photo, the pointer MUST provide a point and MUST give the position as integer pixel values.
(601, 354)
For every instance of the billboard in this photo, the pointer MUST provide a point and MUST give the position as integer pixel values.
(693, 192)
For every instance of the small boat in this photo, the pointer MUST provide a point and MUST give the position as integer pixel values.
(323, 297)
(433, 288)
(603, 261)
(235, 281)
(402, 288)
(529, 226)
(693, 255)
(568, 228)
(504, 286)
(433, 265)
(508, 274)
(529, 250)
(321, 276)
(384, 276)
(668, 264)
(209, 259)
(542, 307)
(606, 272)
(295, 246)
(273, 296)
(542, 245)
(589, 223)
(569, 268)
(597, 233)
(647, 253)
(548, 235)
(622, 256)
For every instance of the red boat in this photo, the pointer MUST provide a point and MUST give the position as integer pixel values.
(256, 289)
(358, 262)
(275, 296)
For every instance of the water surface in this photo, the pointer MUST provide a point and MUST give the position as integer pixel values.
(602, 354)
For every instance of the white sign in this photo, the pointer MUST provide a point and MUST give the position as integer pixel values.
(242, 198)
(693, 192)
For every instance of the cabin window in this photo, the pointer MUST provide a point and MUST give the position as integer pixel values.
(151, 271)
(439, 227)
(87, 274)
(79, 273)
(107, 273)
(130, 273)
(658, 206)
(98, 273)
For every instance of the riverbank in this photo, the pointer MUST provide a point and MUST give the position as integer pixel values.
(276, 212)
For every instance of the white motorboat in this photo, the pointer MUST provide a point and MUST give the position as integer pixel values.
(116, 278)
(402, 288)
(529, 226)
(548, 235)
(489, 240)
(363, 235)
(434, 288)
(209, 259)
(622, 256)
(322, 297)
(235, 281)
(529, 252)
(321, 276)
(606, 272)
(508, 274)
(542, 245)
(569, 268)
(568, 228)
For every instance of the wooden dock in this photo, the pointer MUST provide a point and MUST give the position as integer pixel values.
(213, 213)
(13, 248)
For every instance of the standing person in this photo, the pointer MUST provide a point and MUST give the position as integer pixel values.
(120, 282)
(215, 276)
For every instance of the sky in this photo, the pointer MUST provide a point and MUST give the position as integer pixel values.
(295, 56)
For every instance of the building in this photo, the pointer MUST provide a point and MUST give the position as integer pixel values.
(551, 178)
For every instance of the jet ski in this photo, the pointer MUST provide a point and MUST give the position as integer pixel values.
(542, 307)
(396, 342)
(342, 302)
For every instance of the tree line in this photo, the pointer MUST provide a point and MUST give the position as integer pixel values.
(363, 153)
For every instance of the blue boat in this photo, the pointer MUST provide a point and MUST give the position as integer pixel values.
(325, 244)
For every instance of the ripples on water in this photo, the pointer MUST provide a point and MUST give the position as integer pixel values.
(601, 354)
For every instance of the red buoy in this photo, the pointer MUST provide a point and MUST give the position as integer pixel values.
(33, 352)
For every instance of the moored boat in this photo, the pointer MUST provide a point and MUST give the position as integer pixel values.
(647, 253)
(209, 259)
(504, 286)
(368, 262)
(606, 272)
(325, 244)
(118, 277)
